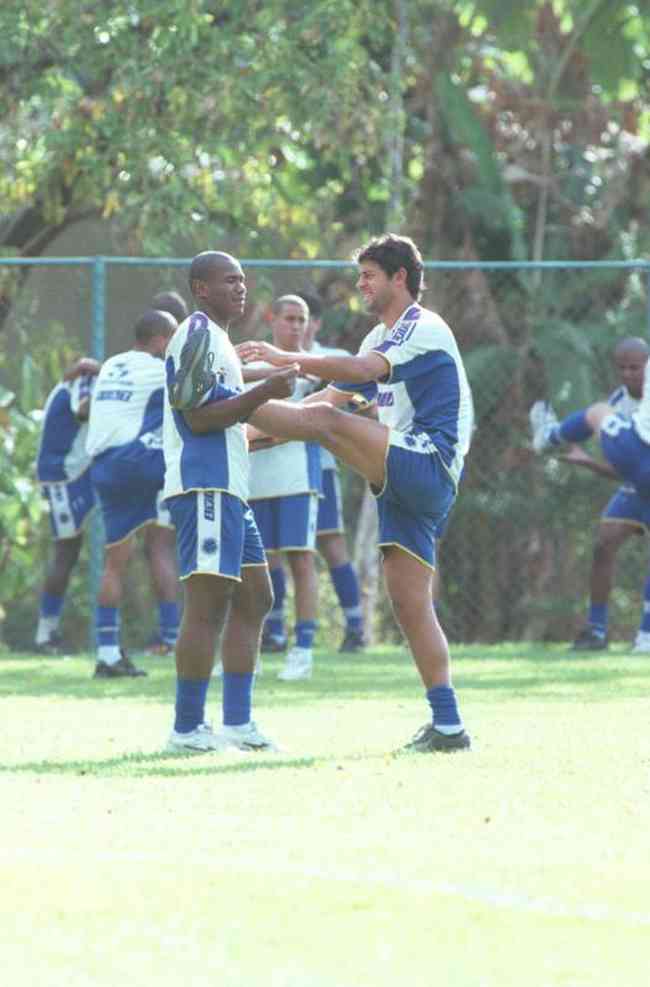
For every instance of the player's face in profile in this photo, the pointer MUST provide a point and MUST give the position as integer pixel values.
(225, 291)
(375, 286)
(289, 327)
(630, 368)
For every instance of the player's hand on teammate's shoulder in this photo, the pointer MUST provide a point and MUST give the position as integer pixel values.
(281, 384)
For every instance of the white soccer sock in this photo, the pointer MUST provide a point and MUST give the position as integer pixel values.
(45, 629)
(109, 654)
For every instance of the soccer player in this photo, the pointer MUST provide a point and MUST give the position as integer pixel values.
(63, 470)
(330, 527)
(125, 443)
(172, 302)
(626, 514)
(412, 457)
(285, 484)
(222, 564)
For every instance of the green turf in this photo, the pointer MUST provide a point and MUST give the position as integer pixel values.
(335, 863)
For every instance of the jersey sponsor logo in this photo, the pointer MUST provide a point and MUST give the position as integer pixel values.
(208, 506)
(197, 321)
(386, 399)
(114, 396)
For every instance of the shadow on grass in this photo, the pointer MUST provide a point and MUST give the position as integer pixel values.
(162, 765)
(528, 671)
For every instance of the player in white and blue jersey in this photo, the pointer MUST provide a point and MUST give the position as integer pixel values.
(330, 525)
(125, 443)
(285, 486)
(627, 512)
(222, 562)
(412, 457)
(63, 470)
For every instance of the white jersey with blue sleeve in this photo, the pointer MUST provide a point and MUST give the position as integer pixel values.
(425, 398)
(286, 469)
(641, 417)
(623, 402)
(62, 455)
(214, 460)
(127, 403)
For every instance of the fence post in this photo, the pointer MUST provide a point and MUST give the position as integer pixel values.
(97, 347)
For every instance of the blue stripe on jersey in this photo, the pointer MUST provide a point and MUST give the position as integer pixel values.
(60, 428)
(204, 458)
(314, 471)
(435, 415)
(152, 418)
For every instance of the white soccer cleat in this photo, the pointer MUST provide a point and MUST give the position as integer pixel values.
(642, 643)
(247, 737)
(197, 741)
(542, 422)
(298, 665)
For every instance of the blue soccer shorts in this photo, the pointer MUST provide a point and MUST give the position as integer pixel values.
(287, 524)
(70, 504)
(415, 502)
(330, 505)
(627, 507)
(216, 534)
(129, 490)
(626, 451)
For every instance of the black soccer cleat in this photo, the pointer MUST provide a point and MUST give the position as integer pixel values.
(194, 378)
(590, 640)
(124, 668)
(353, 641)
(54, 647)
(428, 740)
(273, 645)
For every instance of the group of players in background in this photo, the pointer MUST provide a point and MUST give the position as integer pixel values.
(164, 436)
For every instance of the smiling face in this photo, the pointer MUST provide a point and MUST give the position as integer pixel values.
(377, 288)
(289, 326)
(222, 290)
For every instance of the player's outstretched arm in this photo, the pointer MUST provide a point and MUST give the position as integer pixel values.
(217, 415)
(576, 456)
(349, 369)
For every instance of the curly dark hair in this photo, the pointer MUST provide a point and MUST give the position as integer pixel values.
(391, 252)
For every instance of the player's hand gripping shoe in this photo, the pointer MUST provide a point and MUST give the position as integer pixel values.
(542, 422)
(194, 376)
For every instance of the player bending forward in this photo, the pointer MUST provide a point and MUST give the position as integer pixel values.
(412, 457)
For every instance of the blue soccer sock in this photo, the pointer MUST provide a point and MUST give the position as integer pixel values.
(645, 620)
(190, 704)
(237, 698)
(444, 707)
(274, 623)
(598, 617)
(168, 621)
(573, 428)
(49, 616)
(107, 634)
(346, 587)
(305, 631)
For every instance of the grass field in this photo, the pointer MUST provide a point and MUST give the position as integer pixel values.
(524, 862)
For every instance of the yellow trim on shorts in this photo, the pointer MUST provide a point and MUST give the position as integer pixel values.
(299, 493)
(217, 575)
(329, 531)
(291, 548)
(396, 544)
(644, 528)
(254, 565)
(120, 541)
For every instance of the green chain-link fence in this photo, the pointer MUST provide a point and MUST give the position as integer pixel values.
(515, 559)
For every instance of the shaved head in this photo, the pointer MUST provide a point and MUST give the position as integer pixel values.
(205, 263)
(631, 344)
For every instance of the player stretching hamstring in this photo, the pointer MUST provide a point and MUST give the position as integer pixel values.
(412, 457)
(222, 563)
